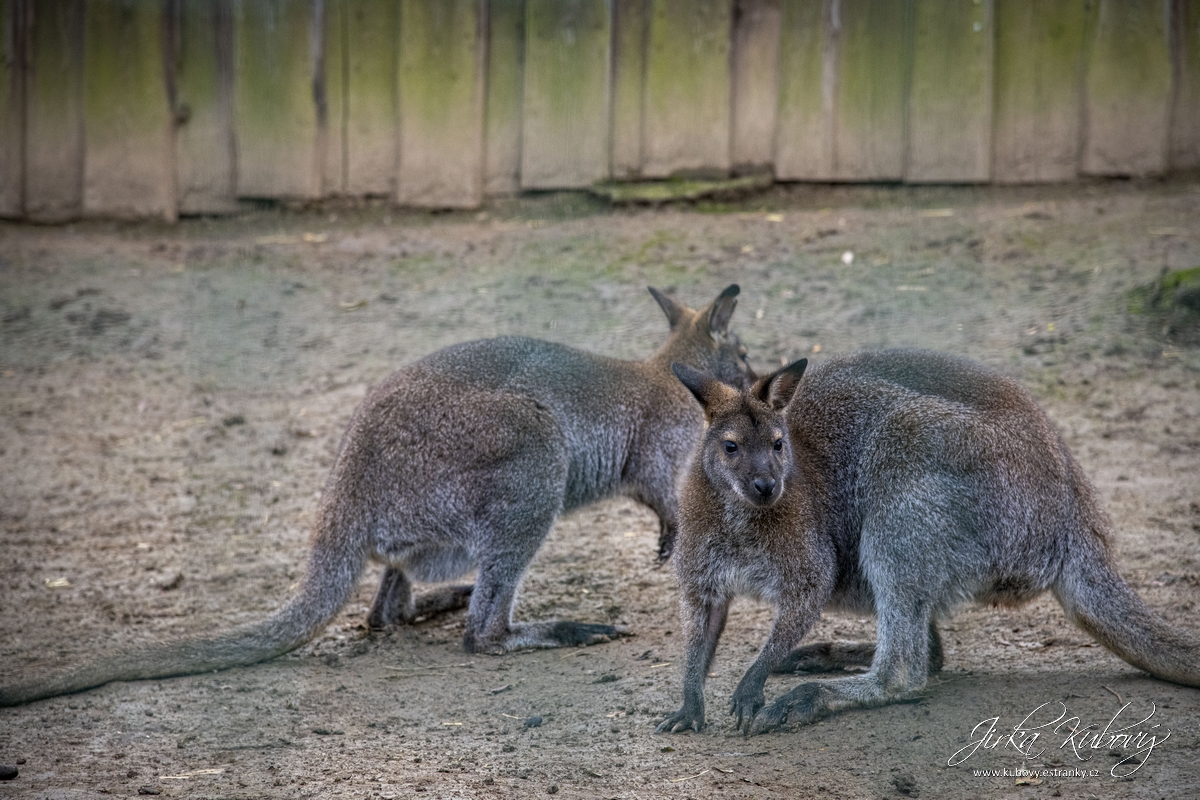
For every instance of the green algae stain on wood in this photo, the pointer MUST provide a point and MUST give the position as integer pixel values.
(12, 149)
(54, 111)
(1185, 116)
(440, 84)
(802, 137)
(630, 27)
(275, 115)
(565, 129)
(871, 59)
(687, 102)
(128, 152)
(505, 85)
(1040, 48)
(204, 141)
(370, 123)
(755, 83)
(950, 95)
(1128, 90)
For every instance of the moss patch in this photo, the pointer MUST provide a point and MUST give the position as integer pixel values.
(1171, 304)
(675, 189)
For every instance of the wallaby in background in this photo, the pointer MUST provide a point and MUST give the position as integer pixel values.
(463, 460)
(900, 483)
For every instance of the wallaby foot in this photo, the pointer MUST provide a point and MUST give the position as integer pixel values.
(544, 635)
(827, 657)
(395, 602)
(840, 656)
(809, 702)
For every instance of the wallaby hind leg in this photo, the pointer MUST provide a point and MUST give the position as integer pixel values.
(902, 660)
(840, 656)
(395, 602)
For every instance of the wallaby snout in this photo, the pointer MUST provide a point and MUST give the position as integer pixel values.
(764, 486)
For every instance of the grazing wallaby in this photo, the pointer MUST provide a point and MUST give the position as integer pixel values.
(464, 459)
(899, 483)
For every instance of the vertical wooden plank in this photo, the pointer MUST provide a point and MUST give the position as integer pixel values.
(275, 114)
(1185, 112)
(204, 140)
(565, 129)
(1039, 62)
(803, 141)
(54, 111)
(687, 104)
(12, 107)
(505, 88)
(332, 115)
(870, 86)
(1128, 90)
(127, 167)
(630, 28)
(755, 82)
(440, 86)
(370, 124)
(950, 96)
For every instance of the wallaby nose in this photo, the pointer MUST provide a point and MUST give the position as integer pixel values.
(764, 486)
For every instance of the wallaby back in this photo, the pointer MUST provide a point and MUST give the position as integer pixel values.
(461, 460)
(907, 483)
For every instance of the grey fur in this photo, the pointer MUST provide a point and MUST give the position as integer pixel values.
(464, 459)
(905, 483)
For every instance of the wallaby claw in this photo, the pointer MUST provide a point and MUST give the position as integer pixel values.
(745, 708)
(768, 719)
(681, 721)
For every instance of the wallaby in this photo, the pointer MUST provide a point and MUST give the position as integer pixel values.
(899, 483)
(464, 459)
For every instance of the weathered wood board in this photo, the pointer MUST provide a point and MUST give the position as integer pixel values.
(128, 165)
(204, 140)
(12, 108)
(871, 60)
(440, 84)
(630, 28)
(755, 82)
(330, 96)
(565, 127)
(687, 122)
(950, 93)
(803, 136)
(505, 88)
(1185, 116)
(1040, 50)
(275, 115)
(54, 112)
(1128, 90)
(370, 121)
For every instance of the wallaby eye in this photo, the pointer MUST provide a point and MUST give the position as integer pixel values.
(778, 445)
(730, 447)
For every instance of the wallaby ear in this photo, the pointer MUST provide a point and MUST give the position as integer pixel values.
(721, 309)
(705, 387)
(776, 389)
(674, 311)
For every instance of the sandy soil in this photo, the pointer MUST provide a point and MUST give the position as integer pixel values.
(172, 399)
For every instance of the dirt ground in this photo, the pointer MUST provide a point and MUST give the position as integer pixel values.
(172, 397)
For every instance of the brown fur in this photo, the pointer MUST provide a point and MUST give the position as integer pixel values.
(899, 483)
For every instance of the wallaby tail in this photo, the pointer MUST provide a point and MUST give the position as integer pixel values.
(333, 570)
(1097, 599)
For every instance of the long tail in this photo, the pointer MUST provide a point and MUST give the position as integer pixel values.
(1097, 599)
(333, 571)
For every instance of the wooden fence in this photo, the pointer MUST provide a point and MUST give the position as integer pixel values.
(136, 108)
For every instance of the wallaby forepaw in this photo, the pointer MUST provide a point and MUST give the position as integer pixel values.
(681, 721)
(744, 707)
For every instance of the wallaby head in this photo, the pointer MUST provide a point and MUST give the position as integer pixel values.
(746, 451)
(703, 337)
